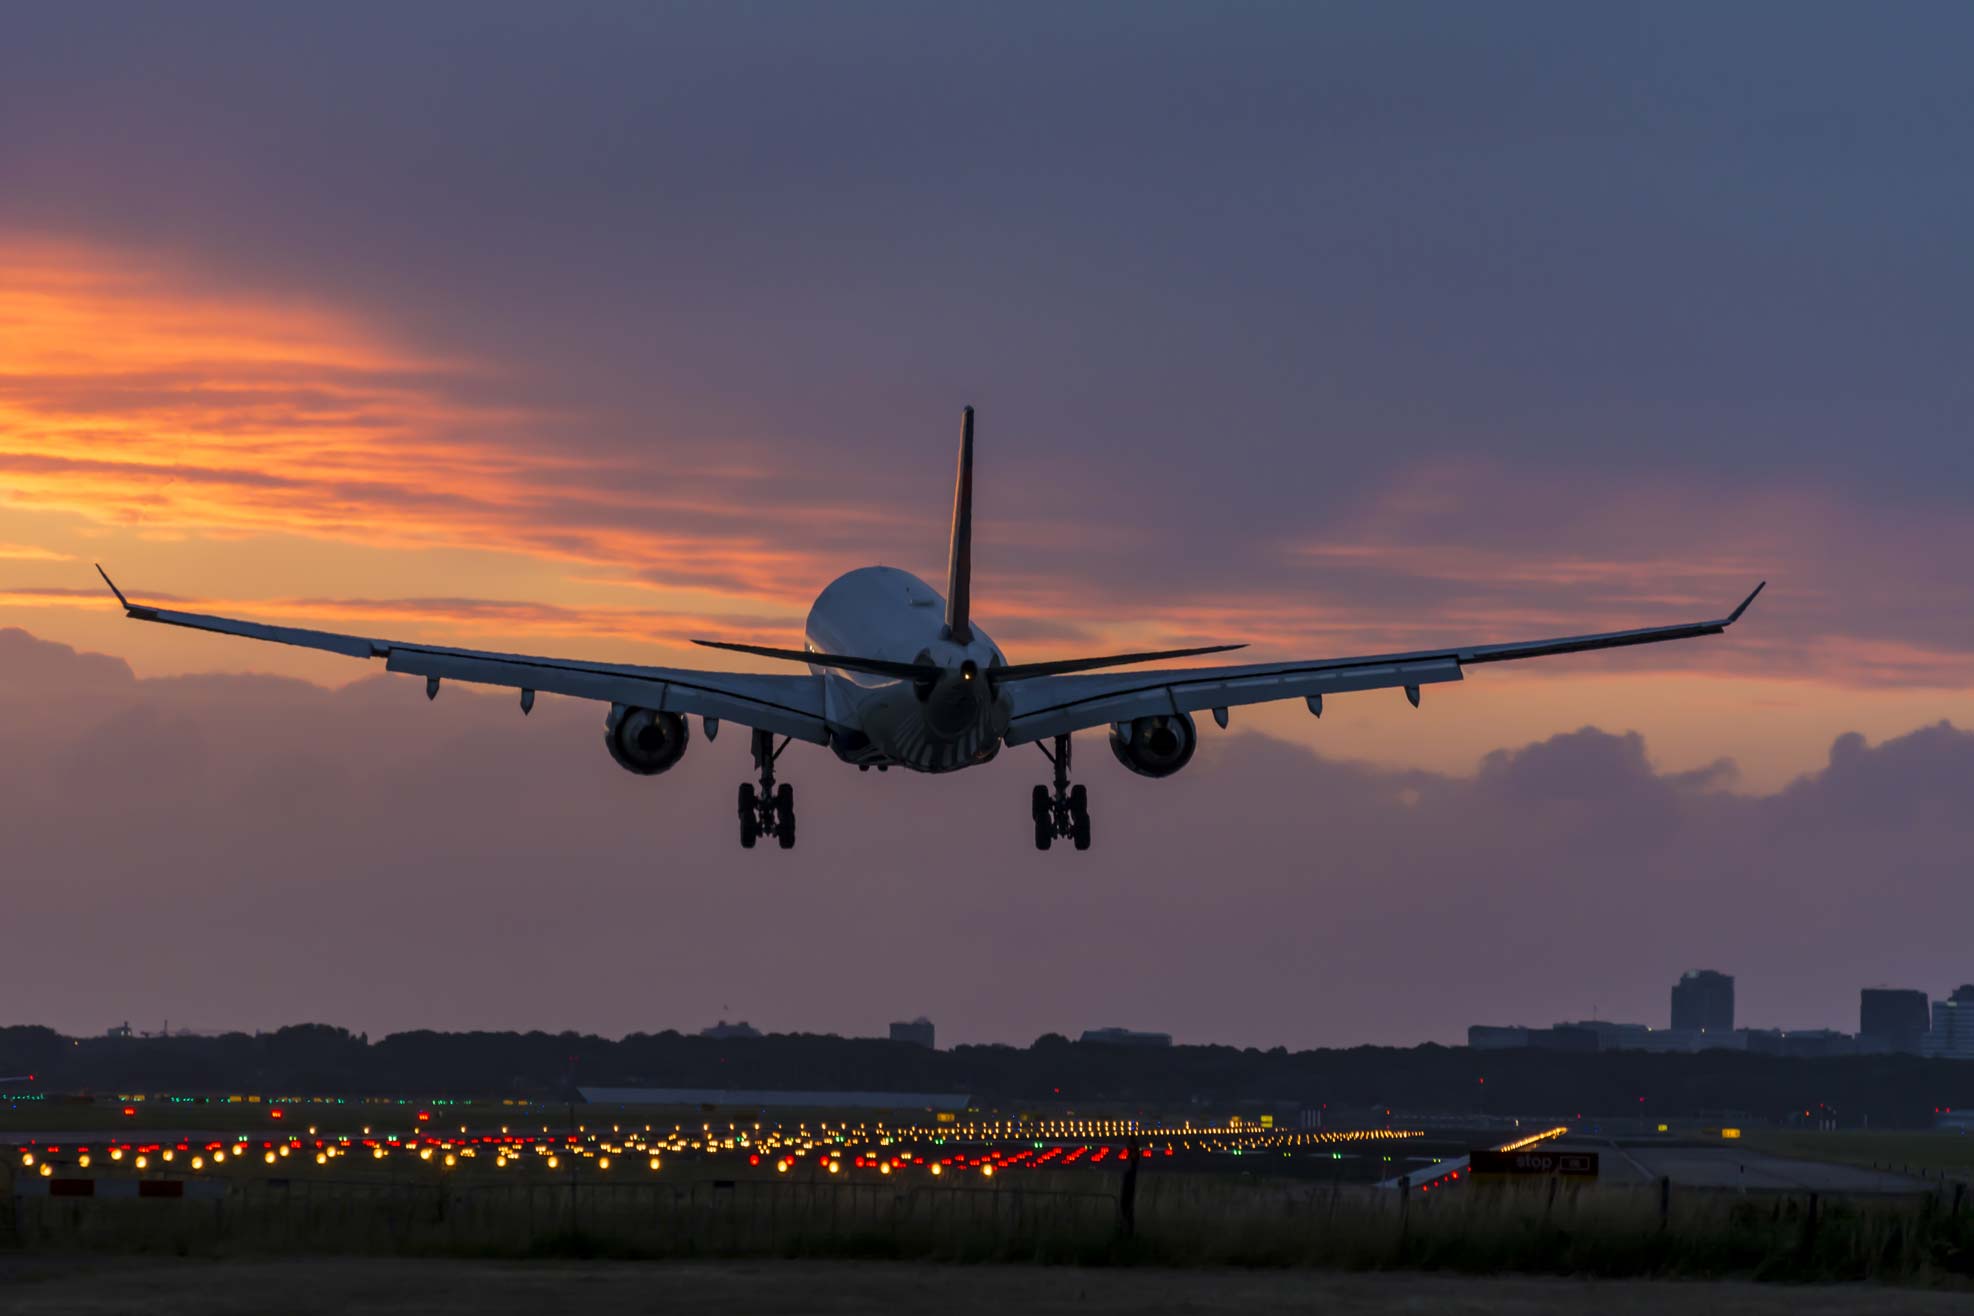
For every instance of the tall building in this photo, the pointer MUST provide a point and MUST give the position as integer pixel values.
(1703, 1002)
(1891, 1019)
(1952, 1036)
(918, 1032)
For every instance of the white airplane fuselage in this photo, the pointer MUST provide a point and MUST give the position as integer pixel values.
(882, 612)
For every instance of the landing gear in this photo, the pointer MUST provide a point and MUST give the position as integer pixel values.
(767, 810)
(1063, 811)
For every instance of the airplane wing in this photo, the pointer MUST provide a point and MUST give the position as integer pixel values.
(783, 705)
(1056, 705)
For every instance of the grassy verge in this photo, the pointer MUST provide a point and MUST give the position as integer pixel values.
(1181, 1221)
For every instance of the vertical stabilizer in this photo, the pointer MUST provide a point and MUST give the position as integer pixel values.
(959, 560)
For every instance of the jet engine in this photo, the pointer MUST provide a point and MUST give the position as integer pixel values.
(1155, 746)
(645, 742)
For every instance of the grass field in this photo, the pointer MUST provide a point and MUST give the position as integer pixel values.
(1929, 1155)
(316, 1288)
(1181, 1219)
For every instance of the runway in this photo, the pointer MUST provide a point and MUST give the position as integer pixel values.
(1734, 1167)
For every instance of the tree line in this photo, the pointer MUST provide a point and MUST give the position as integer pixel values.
(1892, 1091)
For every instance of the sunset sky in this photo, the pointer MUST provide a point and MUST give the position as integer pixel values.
(591, 329)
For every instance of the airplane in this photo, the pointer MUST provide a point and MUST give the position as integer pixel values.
(900, 676)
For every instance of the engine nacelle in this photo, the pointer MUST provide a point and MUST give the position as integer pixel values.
(645, 742)
(1155, 746)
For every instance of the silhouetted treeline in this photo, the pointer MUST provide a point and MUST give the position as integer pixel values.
(314, 1059)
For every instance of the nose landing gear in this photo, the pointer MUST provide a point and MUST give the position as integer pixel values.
(1064, 811)
(768, 810)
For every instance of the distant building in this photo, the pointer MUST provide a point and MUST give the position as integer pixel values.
(1590, 1035)
(122, 1030)
(1126, 1037)
(950, 1103)
(1491, 1037)
(1799, 1042)
(918, 1032)
(1703, 1002)
(1563, 1037)
(1891, 1020)
(726, 1032)
(1952, 1034)
(1614, 1037)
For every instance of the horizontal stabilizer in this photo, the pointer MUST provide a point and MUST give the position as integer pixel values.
(842, 662)
(1023, 671)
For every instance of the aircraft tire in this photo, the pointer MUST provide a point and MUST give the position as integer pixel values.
(1038, 804)
(750, 831)
(747, 799)
(1044, 833)
(1079, 829)
(785, 833)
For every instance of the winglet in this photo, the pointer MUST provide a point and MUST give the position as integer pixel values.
(113, 586)
(1735, 615)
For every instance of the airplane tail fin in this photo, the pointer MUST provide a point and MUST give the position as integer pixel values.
(959, 560)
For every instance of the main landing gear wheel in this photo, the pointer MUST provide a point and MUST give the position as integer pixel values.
(785, 816)
(1063, 811)
(767, 810)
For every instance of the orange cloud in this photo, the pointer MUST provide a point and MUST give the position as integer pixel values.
(141, 403)
(131, 399)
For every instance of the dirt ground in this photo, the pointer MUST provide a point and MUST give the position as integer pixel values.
(308, 1287)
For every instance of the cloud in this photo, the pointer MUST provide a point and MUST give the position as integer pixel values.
(136, 398)
(252, 850)
(132, 397)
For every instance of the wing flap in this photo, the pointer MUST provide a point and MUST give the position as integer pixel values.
(1056, 711)
(785, 705)
(771, 703)
(1057, 705)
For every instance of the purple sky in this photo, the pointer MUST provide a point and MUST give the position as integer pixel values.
(591, 328)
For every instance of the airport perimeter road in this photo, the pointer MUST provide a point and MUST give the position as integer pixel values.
(1732, 1167)
(31, 1286)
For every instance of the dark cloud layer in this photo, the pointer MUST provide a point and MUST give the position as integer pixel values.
(1681, 291)
(244, 851)
(1612, 238)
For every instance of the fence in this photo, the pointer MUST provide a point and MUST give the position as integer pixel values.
(1179, 1219)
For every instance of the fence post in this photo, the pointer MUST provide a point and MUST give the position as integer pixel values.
(1127, 1196)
